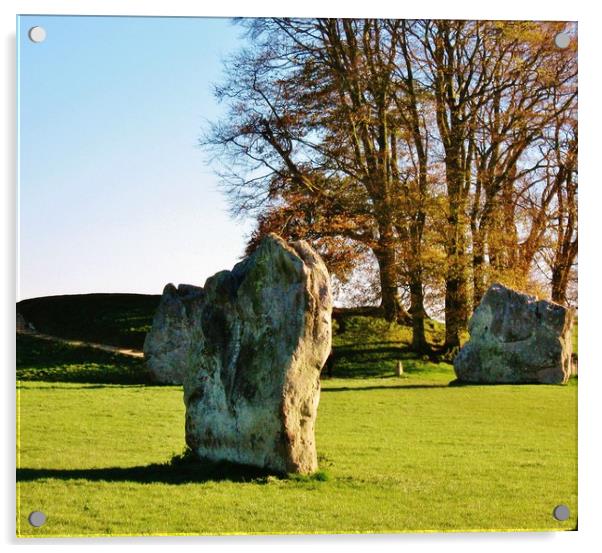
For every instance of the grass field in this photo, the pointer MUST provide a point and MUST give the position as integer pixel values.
(97, 444)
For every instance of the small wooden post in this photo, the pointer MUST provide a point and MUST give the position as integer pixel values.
(399, 368)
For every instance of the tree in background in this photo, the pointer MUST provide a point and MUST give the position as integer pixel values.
(313, 106)
(445, 151)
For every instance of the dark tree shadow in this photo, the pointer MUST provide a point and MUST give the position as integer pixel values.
(466, 384)
(47, 361)
(374, 345)
(167, 473)
(381, 352)
(367, 388)
(457, 383)
(80, 386)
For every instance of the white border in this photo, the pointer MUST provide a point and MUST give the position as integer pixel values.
(590, 306)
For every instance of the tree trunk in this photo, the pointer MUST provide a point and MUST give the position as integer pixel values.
(561, 271)
(419, 343)
(559, 285)
(389, 285)
(456, 312)
(478, 267)
(566, 247)
(456, 281)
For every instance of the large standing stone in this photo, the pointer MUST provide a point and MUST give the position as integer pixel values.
(514, 338)
(249, 348)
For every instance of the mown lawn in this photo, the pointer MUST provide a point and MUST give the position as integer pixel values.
(97, 442)
(408, 456)
(42, 360)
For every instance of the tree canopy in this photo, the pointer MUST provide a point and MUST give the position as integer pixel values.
(433, 157)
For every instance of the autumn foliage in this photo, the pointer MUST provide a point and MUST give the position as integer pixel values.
(428, 157)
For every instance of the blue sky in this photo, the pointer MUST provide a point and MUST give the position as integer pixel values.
(114, 193)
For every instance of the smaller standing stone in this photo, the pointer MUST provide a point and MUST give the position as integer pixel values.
(399, 368)
(515, 338)
(167, 344)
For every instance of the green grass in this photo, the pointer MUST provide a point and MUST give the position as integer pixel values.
(397, 455)
(99, 453)
(371, 347)
(114, 319)
(42, 360)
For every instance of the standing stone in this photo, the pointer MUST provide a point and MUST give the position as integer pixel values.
(514, 338)
(167, 345)
(249, 348)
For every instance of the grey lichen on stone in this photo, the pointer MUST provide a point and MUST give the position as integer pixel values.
(249, 348)
(515, 338)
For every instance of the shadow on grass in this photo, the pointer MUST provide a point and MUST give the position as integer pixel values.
(387, 347)
(46, 361)
(396, 387)
(30, 385)
(167, 473)
(364, 360)
(466, 384)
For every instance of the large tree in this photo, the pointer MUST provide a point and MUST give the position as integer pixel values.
(314, 115)
(496, 88)
(444, 150)
(532, 86)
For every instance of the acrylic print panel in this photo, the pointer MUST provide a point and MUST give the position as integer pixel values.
(370, 227)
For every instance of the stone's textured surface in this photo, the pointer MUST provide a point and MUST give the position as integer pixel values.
(167, 345)
(515, 338)
(250, 347)
(258, 343)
